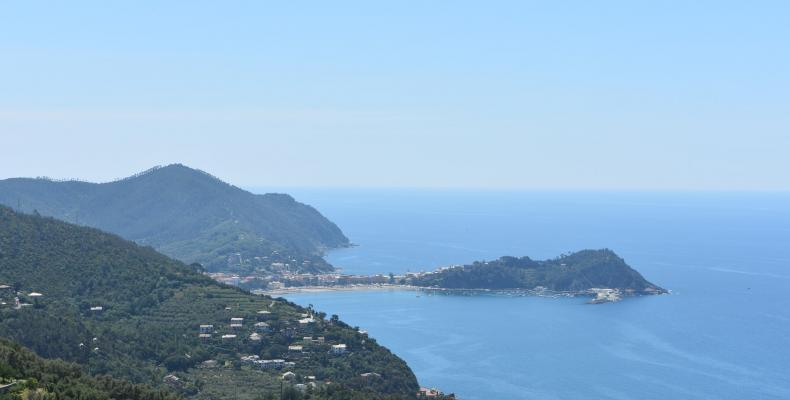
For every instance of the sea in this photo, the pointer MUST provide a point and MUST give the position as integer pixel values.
(722, 333)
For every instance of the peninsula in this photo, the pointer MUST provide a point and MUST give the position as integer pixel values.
(600, 273)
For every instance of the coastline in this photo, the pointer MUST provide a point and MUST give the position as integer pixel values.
(337, 288)
(597, 296)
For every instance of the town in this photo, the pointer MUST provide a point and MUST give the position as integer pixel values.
(263, 276)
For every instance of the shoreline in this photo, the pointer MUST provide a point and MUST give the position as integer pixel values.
(597, 296)
(338, 288)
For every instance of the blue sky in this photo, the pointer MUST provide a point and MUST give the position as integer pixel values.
(532, 95)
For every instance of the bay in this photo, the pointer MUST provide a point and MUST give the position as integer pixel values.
(723, 333)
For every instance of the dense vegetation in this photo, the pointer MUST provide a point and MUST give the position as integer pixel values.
(187, 214)
(32, 377)
(574, 272)
(152, 307)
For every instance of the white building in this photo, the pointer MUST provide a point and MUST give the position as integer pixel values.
(263, 327)
(338, 349)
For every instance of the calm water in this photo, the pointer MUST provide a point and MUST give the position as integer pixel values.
(724, 333)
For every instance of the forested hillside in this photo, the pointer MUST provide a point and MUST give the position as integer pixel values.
(119, 309)
(189, 215)
(31, 377)
(579, 271)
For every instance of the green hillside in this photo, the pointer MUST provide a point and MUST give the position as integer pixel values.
(152, 308)
(574, 272)
(189, 215)
(25, 375)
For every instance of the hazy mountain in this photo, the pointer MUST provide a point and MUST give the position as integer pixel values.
(151, 309)
(187, 214)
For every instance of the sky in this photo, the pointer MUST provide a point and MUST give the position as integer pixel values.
(655, 95)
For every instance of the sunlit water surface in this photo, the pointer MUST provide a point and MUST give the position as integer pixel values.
(724, 333)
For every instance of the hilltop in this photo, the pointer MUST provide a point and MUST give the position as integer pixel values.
(586, 271)
(190, 215)
(123, 310)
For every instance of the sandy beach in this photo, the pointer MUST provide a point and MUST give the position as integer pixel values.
(339, 288)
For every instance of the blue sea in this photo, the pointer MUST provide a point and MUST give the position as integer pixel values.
(723, 333)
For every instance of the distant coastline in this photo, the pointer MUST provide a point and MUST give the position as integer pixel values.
(597, 296)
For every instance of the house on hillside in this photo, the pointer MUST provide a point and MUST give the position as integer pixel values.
(263, 327)
(264, 315)
(306, 324)
(425, 393)
(173, 381)
(338, 349)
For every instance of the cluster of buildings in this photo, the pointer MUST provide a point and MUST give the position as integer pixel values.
(206, 331)
(305, 321)
(289, 280)
(280, 277)
(11, 298)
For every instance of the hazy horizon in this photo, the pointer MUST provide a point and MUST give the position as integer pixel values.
(515, 95)
(263, 188)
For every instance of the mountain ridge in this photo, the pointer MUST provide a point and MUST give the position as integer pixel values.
(188, 214)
